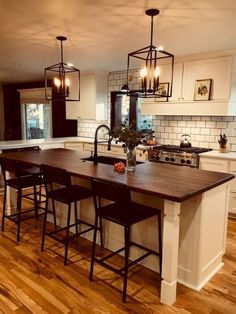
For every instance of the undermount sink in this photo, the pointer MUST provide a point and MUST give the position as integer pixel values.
(107, 160)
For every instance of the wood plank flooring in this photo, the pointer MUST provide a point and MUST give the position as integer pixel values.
(37, 282)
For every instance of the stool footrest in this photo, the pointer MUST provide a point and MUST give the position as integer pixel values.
(132, 263)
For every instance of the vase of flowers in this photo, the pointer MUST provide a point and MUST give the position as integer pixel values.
(130, 137)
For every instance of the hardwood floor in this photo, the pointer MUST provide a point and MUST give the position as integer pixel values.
(32, 281)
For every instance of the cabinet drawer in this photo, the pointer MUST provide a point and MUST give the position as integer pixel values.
(90, 147)
(214, 165)
(116, 150)
(75, 146)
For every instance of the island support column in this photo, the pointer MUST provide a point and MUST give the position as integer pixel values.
(170, 252)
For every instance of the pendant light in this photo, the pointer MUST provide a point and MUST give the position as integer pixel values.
(64, 79)
(150, 61)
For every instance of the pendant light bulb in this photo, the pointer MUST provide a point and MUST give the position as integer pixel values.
(57, 82)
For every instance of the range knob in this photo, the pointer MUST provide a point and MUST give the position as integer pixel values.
(167, 159)
(153, 156)
(188, 161)
(172, 159)
(182, 161)
(157, 157)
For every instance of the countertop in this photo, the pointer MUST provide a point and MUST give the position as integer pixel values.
(32, 142)
(217, 154)
(163, 180)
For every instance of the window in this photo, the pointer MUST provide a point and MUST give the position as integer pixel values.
(126, 109)
(37, 121)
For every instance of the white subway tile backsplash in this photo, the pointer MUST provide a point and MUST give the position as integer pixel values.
(182, 123)
(185, 130)
(191, 124)
(200, 124)
(216, 118)
(173, 123)
(200, 138)
(210, 124)
(195, 131)
(177, 130)
(205, 131)
(221, 125)
(215, 131)
(168, 129)
(164, 123)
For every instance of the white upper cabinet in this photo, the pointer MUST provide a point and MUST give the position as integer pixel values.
(222, 71)
(217, 69)
(93, 98)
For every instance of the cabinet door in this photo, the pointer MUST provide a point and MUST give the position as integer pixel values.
(217, 69)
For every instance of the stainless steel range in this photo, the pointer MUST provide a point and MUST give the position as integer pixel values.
(173, 154)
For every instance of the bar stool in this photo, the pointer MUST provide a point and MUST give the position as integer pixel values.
(29, 169)
(19, 181)
(126, 213)
(68, 194)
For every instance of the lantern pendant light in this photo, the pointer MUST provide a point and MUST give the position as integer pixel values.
(63, 78)
(150, 61)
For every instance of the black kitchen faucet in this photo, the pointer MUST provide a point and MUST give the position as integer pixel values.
(103, 141)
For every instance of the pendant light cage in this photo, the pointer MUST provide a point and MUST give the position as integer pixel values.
(154, 67)
(63, 78)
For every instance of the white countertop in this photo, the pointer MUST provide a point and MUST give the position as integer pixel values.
(217, 154)
(32, 142)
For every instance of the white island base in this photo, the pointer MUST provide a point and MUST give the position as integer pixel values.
(194, 237)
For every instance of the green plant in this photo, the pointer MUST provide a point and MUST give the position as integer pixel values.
(127, 135)
(223, 140)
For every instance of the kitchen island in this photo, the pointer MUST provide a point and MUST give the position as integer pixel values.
(194, 204)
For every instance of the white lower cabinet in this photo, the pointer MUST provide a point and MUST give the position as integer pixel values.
(223, 165)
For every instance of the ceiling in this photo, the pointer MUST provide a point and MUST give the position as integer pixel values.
(102, 32)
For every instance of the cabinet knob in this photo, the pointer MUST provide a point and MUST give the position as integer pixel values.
(178, 98)
(182, 98)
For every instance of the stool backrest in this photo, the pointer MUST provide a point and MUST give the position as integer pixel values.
(10, 165)
(55, 175)
(111, 191)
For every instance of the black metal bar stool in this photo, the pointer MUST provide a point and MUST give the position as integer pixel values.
(19, 181)
(126, 213)
(29, 169)
(68, 194)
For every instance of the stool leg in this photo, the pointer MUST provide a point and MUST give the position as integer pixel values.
(101, 232)
(127, 245)
(100, 223)
(76, 218)
(44, 224)
(160, 242)
(54, 214)
(18, 207)
(67, 234)
(4, 207)
(35, 203)
(93, 247)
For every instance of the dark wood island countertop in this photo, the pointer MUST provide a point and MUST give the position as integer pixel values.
(166, 181)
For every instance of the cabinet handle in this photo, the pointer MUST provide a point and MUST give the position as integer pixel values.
(178, 98)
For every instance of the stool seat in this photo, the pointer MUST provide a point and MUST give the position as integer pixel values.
(126, 214)
(70, 194)
(22, 182)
